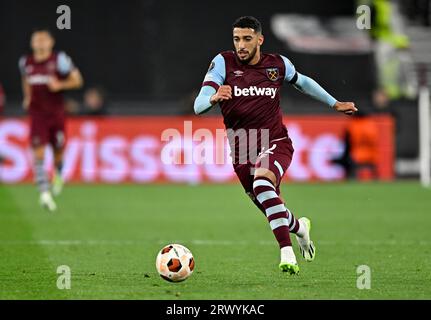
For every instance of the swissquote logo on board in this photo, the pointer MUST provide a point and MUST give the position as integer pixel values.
(254, 91)
(272, 74)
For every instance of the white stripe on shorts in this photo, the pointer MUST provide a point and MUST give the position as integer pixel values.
(280, 169)
(279, 139)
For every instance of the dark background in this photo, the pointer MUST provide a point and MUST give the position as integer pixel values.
(161, 49)
(151, 56)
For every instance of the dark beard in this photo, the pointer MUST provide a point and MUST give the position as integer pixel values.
(252, 54)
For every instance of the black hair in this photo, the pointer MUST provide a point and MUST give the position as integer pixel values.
(42, 29)
(248, 22)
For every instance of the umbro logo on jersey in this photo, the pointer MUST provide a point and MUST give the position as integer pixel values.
(254, 91)
(238, 73)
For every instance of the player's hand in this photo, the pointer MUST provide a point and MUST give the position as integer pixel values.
(55, 85)
(345, 107)
(223, 93)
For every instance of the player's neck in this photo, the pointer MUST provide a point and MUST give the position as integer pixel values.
(41, 56)
(255, 59)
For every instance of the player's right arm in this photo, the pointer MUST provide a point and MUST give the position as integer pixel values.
(213, 90)
(26, 88)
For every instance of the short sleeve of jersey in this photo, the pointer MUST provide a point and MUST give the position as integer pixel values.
(64, 64)
(216, 73)
(21, 65)
(290, 69)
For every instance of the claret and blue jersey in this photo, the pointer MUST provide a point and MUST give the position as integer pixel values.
(255, 102)
(38, 74)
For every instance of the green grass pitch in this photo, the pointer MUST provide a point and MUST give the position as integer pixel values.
(109, 236)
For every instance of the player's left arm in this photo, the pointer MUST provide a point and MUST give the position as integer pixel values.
(310, 87)
(73, 78)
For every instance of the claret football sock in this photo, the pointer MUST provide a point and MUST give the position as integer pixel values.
(280, 218)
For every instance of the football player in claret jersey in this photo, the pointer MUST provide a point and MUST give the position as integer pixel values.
(45, 75)
(246, 84)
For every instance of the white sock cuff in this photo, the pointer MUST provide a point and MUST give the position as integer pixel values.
(302, 229)
(287, 255)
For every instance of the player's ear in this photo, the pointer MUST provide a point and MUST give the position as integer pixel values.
(260, 39)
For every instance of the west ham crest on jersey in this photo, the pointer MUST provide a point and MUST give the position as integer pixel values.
(272, 74)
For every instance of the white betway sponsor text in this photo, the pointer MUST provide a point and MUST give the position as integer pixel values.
(254, 91)
(38, 79)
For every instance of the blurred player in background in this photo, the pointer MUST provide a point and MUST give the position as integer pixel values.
(246, 83)
(45, 75)
(2, 105)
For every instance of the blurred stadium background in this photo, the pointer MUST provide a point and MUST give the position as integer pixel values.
(143, 62)
(148, 58)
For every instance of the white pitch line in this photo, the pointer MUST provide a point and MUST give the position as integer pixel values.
(69, 242)
(322, 242)
(203, 242)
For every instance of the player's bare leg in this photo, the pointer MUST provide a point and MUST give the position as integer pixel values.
(281, 220)
(42, 179)
(58, 182)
